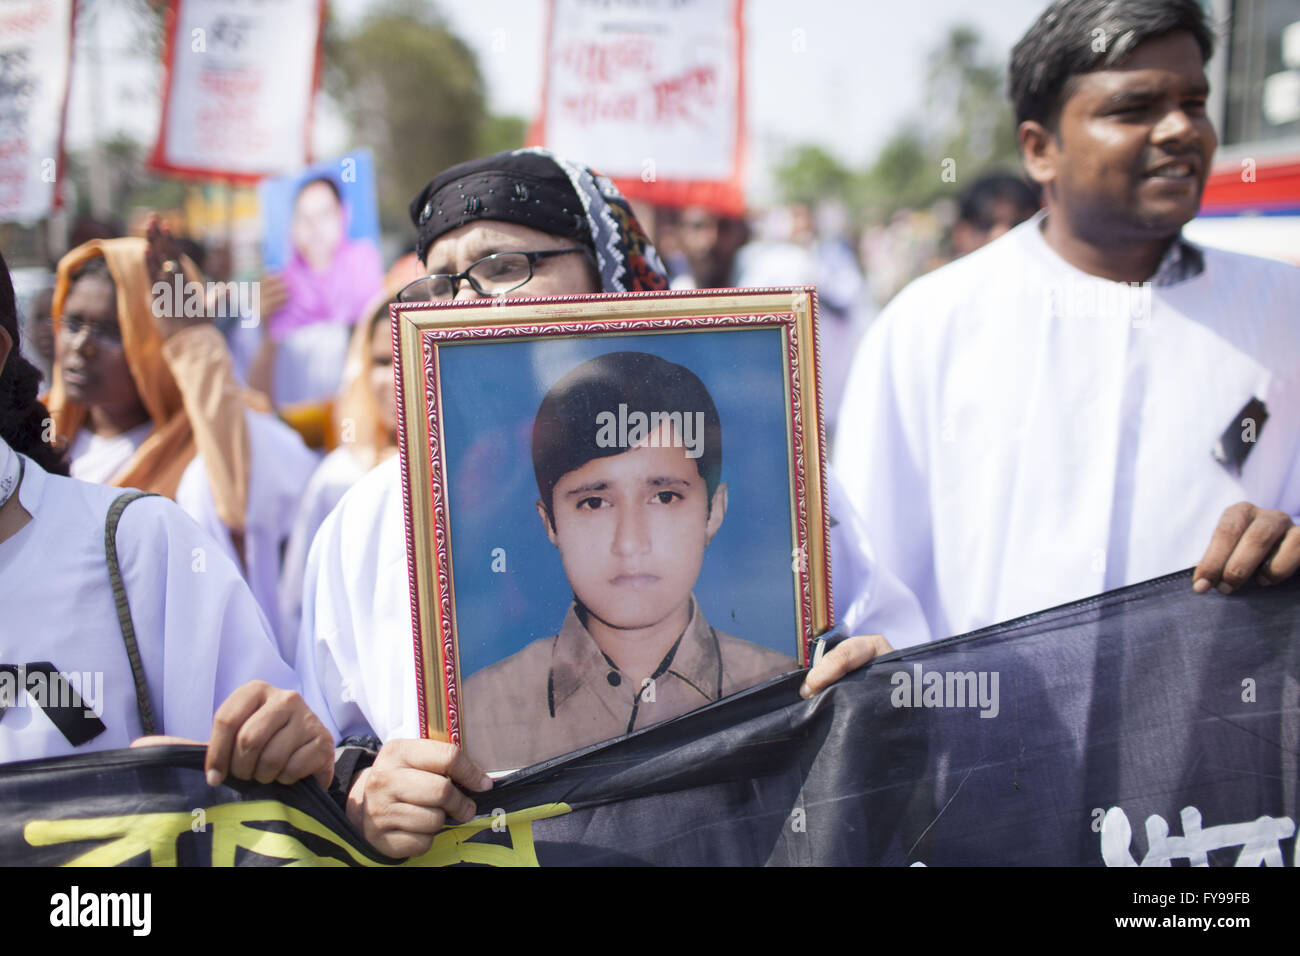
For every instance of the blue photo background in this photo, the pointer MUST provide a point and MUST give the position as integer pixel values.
(353, 173)
(490, 394)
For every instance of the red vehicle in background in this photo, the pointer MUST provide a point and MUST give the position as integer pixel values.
(1252, 199)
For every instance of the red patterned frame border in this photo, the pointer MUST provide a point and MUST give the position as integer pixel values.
(430, 338)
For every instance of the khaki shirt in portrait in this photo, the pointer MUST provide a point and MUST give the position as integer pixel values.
(562, 693)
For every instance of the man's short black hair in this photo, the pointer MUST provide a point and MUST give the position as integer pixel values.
(976, 204)
(1078, 36)
(566, 427)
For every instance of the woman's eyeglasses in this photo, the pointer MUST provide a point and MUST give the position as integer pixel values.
(491, 276)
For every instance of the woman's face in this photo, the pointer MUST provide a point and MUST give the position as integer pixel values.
(88, 347)
(317, 225)
(381, 375)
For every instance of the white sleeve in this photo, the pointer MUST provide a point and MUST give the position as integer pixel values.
(281, 467)
(881, 450)
(326, 647)
(868, 599)
(323, 491)
(200, 631)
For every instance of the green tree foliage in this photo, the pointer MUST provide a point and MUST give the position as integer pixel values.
(809, 173)
(412, 92)
(963, 119)
(499, 133)
(972, 118)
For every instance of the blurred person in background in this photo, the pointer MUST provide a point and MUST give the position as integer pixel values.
(365, 423)
(40, 325)
(709, 242)
(797, 246)
(34, 292)
(992, 205)
(91, 586)
(144, 398)
(896, 252)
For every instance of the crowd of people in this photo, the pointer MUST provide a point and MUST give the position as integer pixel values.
(1082, 400)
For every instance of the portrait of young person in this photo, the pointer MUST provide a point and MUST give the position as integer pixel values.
(602, 483)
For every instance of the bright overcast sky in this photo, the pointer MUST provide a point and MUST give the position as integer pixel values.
(861, 73)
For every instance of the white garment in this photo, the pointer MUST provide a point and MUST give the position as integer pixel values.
(1018, 434)
(337, 472)
(96, 458)
(200, 633)
(309, 363)
(10, 471)
(355, 649)
(280, 466)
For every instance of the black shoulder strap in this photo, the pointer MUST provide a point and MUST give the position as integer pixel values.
(124, 611)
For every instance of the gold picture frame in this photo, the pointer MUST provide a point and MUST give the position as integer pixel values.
(453, 363)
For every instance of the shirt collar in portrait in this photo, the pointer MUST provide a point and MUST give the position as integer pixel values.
(695, 660)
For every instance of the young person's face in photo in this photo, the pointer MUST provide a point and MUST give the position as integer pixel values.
(632, 529)
(1134, 143)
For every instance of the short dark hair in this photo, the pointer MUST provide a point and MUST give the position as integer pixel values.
(565, 429)
(975, 204)
(1062, 44)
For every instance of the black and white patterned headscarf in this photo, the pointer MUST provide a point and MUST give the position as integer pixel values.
(535, 188)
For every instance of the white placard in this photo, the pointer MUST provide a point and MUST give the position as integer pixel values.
(35, 51)
(241, 79)
(645, 89)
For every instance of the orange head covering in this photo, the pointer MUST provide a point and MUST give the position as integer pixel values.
(159, 462)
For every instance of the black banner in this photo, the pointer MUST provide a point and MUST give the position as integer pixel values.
(1146, 726)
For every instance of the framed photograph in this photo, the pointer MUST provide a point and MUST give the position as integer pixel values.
(615, 509)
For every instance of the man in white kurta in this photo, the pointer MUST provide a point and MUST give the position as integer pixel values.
(1012, 449)
(200, 632)
(1078, 405)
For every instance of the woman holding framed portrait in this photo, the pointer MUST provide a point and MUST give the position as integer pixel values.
(519, 226)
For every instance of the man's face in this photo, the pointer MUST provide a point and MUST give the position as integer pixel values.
(454, 252)
(89, 349)
(1003, 215)
(317, 225)
(631, 530)
(710, 243)
(1133, 145)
